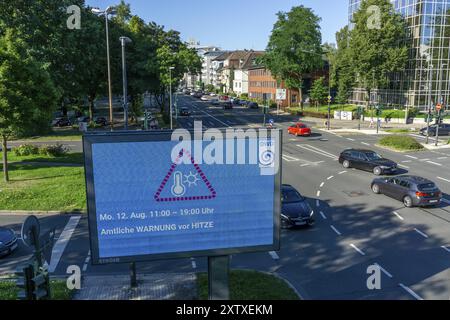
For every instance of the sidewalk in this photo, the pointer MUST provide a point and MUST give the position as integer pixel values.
(150, 287)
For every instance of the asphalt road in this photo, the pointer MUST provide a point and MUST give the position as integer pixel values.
(355, 228)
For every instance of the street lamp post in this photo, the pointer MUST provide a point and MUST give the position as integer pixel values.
(106, 13)
(441, 101)
(170, 98)
(124, 41)
(430, 85)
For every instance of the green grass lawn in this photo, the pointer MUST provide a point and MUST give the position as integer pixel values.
(75, 158)
(41, 188)
(251, 285)
(400, 143)
(9, 291)
(399, 130)
(56, 135)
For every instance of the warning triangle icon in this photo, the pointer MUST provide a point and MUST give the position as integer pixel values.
(177, 184)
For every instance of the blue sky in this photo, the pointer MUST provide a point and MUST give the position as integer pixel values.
(231, 24)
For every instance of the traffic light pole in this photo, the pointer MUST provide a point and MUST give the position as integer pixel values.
(428, 124)
(437, 127)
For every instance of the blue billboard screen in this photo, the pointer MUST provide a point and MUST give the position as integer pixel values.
(149, 202)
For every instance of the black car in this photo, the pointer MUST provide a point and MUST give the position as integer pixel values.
(8, 241)
(413, 191)
(295, 210)
(184, 112)
(227, 105)
(62, 122)
(368, 161)
(444, 130)
(253, 105)
(101, 121)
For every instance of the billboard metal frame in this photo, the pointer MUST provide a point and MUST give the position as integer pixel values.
(90, 139)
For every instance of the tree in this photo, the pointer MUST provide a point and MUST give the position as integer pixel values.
(342, 74)
(319, 92)
(26, 91)
(377, 49)
(295, 47)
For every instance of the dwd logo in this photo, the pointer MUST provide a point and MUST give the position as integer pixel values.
(74, 20)
(374, 281)
(374, 20)
(74, 280)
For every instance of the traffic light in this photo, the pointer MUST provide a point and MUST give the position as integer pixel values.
(41, 285)
(25, 282)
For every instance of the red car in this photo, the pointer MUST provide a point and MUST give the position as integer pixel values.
(300, 129)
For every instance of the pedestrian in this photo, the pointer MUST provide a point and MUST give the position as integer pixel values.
(372, 123)
(379, 123)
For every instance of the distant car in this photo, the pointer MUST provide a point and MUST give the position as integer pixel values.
(300, 129)
(8, 241)
(253, 105)
(205, 98)
(413, 191)
(214, 101)
(184, 112)
(213, 94)
(243, 102)
(198, 95)
(62, 122)
(83, 119)
(295, 210)
(193, 94)
(224, 98)
(227, 105)
(368, 161)
(101, 121)
(444, 130)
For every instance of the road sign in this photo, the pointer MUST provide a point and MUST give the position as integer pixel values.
(172, 200)
(31, 229)
(329, 99)
(281, 94)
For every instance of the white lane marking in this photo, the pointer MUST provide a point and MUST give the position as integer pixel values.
(434, 163)
(210, 115)
(318, 203)
(274, 255)
(446, 249)
(442, 158)
(403, 166)
(407, 161)
(411, 292)
(424, 160)
(290, 159)
(357, 249)
(336, 230)
(350, 139)
(318, 151)
(322, 184)
(62, 242)
(318, 162)
(399, 216)
(324, 217)
(305, 165)
(421, 233)
(412, 157)
(443, 179)
(318, 193)
(365, 143)
(384, 271)
(342, 172)
(193, 263)
(329, 178)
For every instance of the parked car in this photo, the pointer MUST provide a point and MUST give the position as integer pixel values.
(184, 112)
(213, 95)
(368, 161)
(444, 130)
(192, 93)
(413, 191)
(227, 105)
(253, 105)
(300, 129)
(243, 103)
(8, 241)
(295, 210)
(198, 95)
(101, 121)
(224, 98)
(205, 98)
(61, 122)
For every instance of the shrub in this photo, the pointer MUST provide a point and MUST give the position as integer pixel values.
(313, 114)
(401, 142)
(57, 150)
(26, 150)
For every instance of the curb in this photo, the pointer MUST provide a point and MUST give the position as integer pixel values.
(41, 213)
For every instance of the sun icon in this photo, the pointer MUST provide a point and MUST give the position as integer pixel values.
(191, 179)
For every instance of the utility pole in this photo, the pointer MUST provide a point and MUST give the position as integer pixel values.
(441, 102)
(430, 84)
(170, 98)
(124, 41)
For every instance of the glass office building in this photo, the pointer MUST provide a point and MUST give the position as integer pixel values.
(427, 74)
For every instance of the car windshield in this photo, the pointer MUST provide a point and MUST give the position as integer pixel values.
(426, 187)
(291, 196)
(373, 156)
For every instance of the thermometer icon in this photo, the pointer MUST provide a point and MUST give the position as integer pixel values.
(178, 189)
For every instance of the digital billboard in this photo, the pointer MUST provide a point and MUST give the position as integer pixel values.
(153, 198)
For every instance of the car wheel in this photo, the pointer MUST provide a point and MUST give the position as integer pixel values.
(407, 201)
(376, 189)
(346, 164)
(377, 171)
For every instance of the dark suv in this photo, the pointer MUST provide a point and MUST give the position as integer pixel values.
(411, 190)
(295, 210)
(368, 161)
(444, 130)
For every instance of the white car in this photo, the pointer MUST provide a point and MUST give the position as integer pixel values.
(205, 98)
(213, 94)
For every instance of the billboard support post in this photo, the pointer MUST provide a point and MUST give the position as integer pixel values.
(133, 277)
(218, 278)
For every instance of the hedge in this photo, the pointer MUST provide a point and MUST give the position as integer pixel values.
(401, 143)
